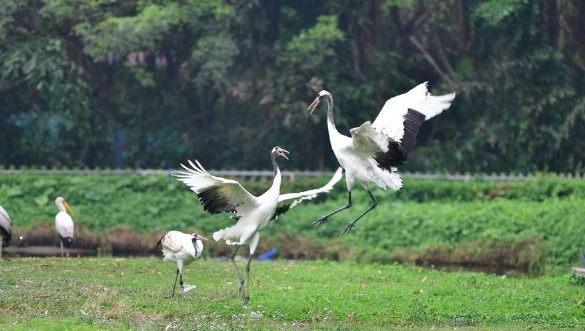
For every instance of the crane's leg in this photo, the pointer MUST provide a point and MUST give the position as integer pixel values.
(352, 223)
(324, 219)
(180, 265)
(181, 283)
(175, 285)
(1, 242)
(253, 245)
(61, 242)
(247, 296)
(233, 258)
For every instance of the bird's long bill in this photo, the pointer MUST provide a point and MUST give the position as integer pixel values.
(313, 105)
(202, 237)
(284, 155)
(69, 209)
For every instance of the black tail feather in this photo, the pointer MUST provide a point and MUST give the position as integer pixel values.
(159, 242)
(6, 235)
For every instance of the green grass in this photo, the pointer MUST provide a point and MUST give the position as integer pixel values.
(96, 294)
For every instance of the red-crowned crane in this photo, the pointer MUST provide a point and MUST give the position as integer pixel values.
(226, 195)
(5, 229)
(375, 150)
(183, 248)
(64, 223)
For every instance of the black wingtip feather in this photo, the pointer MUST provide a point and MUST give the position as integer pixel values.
(215, 202)
(398, 151)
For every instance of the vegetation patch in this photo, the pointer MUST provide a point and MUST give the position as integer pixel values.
(468, 222)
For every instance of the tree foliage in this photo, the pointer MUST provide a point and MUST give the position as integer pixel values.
(225, 81)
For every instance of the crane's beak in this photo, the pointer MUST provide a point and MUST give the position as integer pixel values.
(313, 105)
(284, 152)
(69, 209)
(201, 237)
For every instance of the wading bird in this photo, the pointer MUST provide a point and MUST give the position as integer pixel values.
(64, 223)
(225, 195)
(5, 229)
(183, 248)
(374, 150)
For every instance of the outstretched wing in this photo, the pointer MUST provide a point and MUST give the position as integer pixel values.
(393, 134)
(215, 193)
(5, 225)
(391, 118)
(290, 200)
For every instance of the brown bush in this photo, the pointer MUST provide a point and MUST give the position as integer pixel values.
(40, 234)
(527, 255)
(124, 240)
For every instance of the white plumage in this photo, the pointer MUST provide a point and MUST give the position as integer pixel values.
(225, 195)
(64, 223)
(182, 248)
(5, 229)
(375, 150)
(390, 120)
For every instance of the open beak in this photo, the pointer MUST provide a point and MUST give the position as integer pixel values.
(284, 152)
(69, 209)
(313, 105)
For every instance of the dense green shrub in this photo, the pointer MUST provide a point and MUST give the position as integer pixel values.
(547, 209)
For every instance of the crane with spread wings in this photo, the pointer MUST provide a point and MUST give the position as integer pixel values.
(375, 150)
(220, 195)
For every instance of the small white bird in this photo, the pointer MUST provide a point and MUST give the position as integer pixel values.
(374, 150)
(64, 223)
(253, 213)
(183, 248)
(5, 229)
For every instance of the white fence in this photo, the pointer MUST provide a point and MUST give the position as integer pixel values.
(268, 174)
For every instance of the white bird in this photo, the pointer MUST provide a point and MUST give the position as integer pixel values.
(225, 195)
(374, 150)
(64, 223)
(183, 248)
(5, 229)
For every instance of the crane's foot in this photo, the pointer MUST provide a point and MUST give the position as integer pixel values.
(349, 227)
(246, 300)
(321, 221)
(182, 290)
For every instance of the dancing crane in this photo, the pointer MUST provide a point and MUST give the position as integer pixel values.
(253, 213)
(5, 229)
(64, 223)
(183, 248)
(375, 150)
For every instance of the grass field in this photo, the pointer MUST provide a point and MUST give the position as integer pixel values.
(120, 294)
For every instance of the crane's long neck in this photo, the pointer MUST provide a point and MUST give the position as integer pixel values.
(277, 175)
(333, 133)
(330, 120)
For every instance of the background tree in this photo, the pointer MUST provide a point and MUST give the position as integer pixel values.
(83, 81)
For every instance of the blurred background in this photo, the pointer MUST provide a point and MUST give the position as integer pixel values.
(150, 83)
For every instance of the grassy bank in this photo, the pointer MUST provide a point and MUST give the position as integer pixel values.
(531, 222)
(95, 294)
